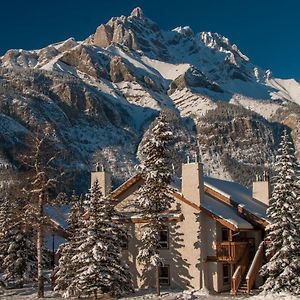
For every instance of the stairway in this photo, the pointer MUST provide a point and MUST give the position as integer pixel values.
(243, 287)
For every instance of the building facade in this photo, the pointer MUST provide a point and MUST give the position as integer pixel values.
(213, 235)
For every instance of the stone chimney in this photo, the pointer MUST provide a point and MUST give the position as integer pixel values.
(192, 181)
(103, 177)
(261, 188)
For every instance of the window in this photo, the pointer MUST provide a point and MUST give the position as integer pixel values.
(163, 239)
(225, 234)
(124, 243)
(225, 274)
(164, 275)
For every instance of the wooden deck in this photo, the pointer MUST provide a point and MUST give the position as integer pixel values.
(230, 251)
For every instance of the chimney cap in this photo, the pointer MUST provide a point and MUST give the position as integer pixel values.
(99, 167)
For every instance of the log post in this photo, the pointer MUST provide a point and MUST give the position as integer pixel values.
(157, 281)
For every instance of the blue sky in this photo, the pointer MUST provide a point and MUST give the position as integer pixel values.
(267, 31)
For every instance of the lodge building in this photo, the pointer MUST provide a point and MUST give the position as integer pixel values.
(213, 236)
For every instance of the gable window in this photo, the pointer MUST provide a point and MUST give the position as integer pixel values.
(164, 275)
(225, 234)
(163, 239)
(225, 274)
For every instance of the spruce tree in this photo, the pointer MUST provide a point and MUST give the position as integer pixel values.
(65, 272)
(99, 250)
(153, 199)
(17, 247)
(283, 236)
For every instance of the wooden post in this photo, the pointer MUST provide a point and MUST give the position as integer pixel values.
(157, 281)
(39, 245)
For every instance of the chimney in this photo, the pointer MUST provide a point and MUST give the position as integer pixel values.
(192, 181)
(103, 177)
(261, 188)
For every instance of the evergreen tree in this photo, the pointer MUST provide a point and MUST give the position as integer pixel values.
(17, 247)
(283, 235)
(153, 199)
(65, 272)
(98, 253)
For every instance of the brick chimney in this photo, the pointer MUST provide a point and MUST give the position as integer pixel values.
(192, 181)
(261, 190)
(104, 179)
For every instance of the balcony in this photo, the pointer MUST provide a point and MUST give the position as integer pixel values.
(230, 251)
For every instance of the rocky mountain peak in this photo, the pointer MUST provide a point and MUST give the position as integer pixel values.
(137, 12)
(221, 43)
(185, 30)
(136, 32)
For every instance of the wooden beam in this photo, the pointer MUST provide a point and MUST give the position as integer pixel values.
(186, 201)
(125, 186)
(136, 220)
(217, 195)
(250, 217)
(241, 211)
(217, 218)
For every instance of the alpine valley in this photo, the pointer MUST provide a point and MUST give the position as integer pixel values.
(101, 95)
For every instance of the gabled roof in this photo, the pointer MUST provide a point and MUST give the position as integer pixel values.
(225, 212)
(227, 202)
(239, 197)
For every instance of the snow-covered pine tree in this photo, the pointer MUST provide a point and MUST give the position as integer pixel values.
(65, 272)
(152, 198)
(17, 247)
(282, 271)
(99, 251)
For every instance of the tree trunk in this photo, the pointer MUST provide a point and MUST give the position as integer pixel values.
(39, 245)
(95, 294)
(157, 281)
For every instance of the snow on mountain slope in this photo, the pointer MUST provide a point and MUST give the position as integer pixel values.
(288, 89)
(101, 94)
(167, 70)
(265, 108)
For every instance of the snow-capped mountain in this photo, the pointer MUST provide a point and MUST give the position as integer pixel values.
(100, 95)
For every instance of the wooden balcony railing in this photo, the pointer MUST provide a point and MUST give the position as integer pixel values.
(254, 267)
(231, 251)
(240, 272)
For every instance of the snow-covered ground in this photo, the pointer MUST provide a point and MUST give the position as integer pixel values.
(30, 293)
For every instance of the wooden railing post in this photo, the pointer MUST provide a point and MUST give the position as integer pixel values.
(255, 266)
(240, 271)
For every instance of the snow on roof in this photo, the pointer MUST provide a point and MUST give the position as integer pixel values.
(225, 212)
(58, 214)
(239, 194)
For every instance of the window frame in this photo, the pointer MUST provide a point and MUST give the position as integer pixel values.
(164, 278)
(167, 242)
(226, 279)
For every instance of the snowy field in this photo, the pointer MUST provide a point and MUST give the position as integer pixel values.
(30, 293)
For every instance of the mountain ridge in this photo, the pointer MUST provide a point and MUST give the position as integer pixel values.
(101, 94)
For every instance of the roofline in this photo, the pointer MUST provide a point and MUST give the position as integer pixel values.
(241, 211)
(54, 226)
(126, 185)
(210, 190)
(219, 219)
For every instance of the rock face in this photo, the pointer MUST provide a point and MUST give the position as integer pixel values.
(119, 71)
(118, 31)
(101, 95)
(193, 78)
